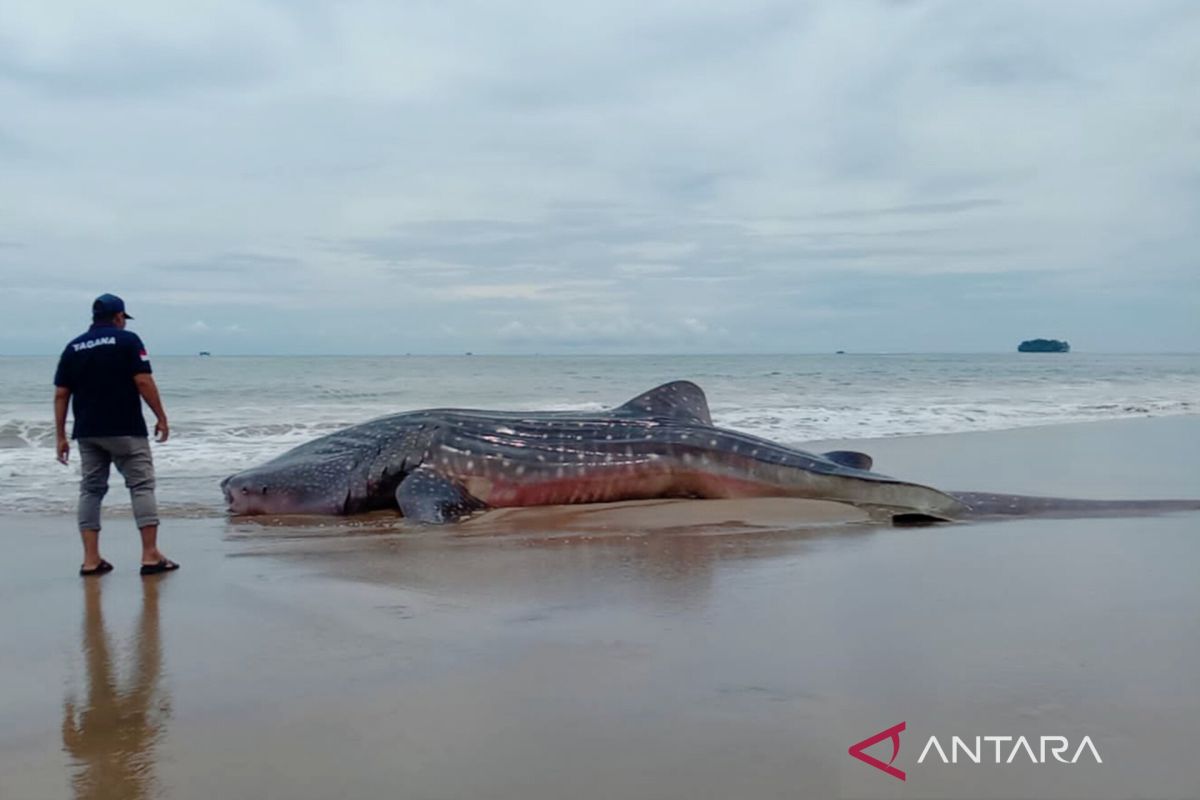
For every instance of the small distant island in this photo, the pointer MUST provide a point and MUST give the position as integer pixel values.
(1043, 346)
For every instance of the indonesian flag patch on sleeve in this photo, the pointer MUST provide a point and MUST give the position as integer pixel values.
(145, 355)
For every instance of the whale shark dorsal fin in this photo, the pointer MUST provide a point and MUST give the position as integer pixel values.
(678, 400)
(849, 458)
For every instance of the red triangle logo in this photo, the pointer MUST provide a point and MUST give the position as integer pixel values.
(858, 750)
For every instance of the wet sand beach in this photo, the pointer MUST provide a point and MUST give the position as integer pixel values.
(648, 650)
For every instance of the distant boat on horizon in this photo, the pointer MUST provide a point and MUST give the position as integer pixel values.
(205, 353)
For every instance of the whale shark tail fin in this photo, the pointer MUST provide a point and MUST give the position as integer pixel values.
(679, 400)
(987, 504)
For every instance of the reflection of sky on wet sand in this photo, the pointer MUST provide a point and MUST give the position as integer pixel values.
(111, 733)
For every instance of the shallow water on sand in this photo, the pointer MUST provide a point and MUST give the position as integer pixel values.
(557, 655)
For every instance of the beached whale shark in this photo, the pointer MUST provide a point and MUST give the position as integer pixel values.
(439, 465)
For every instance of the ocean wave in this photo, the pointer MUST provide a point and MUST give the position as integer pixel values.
(792, 424)
(18, 434)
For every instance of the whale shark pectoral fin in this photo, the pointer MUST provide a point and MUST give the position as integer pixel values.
(428, 496)
(680, 400)
(849, 458)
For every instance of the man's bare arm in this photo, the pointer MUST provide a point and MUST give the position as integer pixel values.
(149, 392)
(62, 445)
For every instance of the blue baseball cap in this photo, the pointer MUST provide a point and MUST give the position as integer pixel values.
(107, 305)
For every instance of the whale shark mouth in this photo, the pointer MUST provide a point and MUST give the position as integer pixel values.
(245, 495)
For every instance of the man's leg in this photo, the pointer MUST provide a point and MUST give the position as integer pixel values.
(94, 462)
(133, 459)
(150, 552)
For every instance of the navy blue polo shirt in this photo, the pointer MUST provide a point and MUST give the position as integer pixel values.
(98, 367)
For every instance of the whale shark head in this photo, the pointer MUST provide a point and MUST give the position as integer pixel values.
(306, 487)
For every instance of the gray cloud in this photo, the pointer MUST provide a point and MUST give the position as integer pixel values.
(680, 175)
(142, 70)
(230, 263)
(946, 207)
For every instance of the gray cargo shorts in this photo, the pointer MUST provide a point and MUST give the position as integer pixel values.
(132, 456)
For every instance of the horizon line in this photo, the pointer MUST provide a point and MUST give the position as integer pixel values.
(620, 354)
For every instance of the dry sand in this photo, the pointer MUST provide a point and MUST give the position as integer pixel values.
(723, 649)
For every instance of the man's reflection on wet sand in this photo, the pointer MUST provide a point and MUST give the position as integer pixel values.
(111, 736)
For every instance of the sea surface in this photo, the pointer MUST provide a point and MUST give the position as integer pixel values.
(228, 413)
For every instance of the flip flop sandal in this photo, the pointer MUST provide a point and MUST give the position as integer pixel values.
(166, 565)
(99, 569)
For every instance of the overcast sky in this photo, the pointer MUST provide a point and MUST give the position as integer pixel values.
(608, 176)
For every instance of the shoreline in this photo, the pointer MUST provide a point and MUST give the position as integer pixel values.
(229, 415)
(898, 456)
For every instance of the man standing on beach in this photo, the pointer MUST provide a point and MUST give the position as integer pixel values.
(105, 373)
